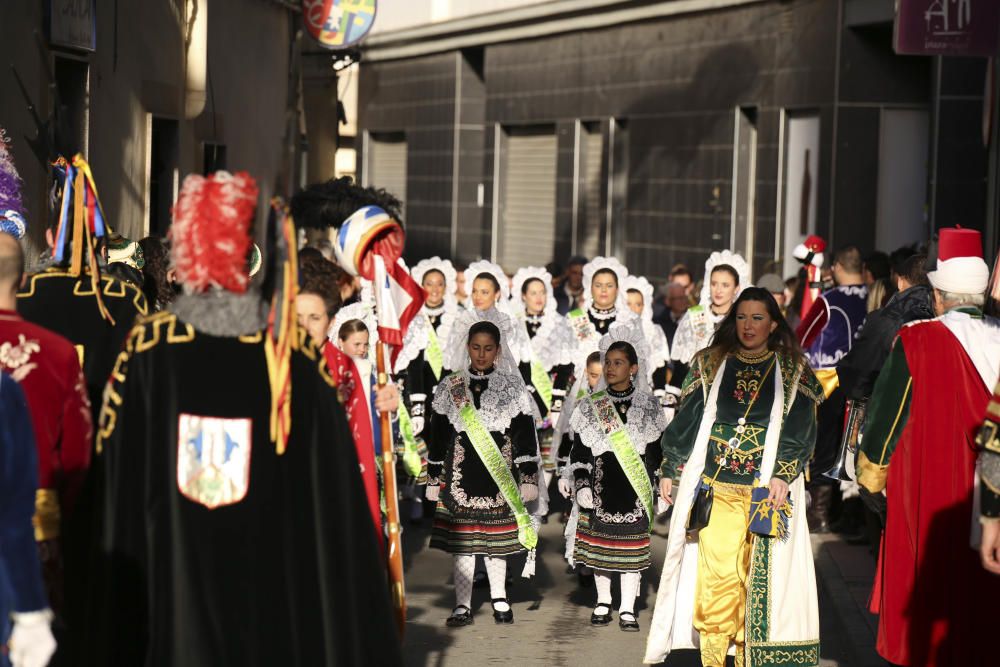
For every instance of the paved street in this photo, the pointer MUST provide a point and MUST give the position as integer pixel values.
(552, 613)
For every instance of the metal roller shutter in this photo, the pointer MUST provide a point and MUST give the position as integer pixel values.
(387, 165)
(592, 148)
(528, 207)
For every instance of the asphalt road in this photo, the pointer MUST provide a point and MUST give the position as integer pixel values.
(551, 614)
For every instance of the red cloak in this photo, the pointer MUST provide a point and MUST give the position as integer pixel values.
(937, 604)
(352, 391)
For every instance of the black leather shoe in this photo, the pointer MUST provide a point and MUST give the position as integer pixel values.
(460, 617)
(628, 623)
(502, 617)
(601, 619)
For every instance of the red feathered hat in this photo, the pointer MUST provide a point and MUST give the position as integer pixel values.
(210, 234)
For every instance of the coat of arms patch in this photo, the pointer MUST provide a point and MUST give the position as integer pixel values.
(213, 459)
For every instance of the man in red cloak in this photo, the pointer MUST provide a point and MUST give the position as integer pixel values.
(935, 601)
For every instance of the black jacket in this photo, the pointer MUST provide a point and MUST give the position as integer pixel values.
(859, 369)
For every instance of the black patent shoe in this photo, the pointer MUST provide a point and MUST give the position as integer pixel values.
(601, 619)
(460, 617)
(502, 617)
(627, 622)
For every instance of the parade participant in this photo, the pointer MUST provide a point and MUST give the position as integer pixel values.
(317, 303)
(48, 370)
(639, 294)
(421, 361)
(12, 220)
(726, 274)
(209, 485)
(551, 362)
(613, 461)
(159, 281)
(483, 463)
(739, 443)
(71, 297)
(29, 643)
(932, 596)
(604, 304)
(827, 334)
(676, 306)
(569, 296)
(989, 476)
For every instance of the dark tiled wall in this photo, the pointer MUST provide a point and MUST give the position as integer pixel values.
(673, 85)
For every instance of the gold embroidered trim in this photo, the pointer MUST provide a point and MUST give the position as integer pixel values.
(895, 422)
(748, 358)
(729, 488)
(47, 515)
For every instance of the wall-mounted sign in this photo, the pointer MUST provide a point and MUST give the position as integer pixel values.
(948, 27)
(72, 24)
(338, 24)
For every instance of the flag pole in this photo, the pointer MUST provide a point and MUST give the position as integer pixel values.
(395, 551)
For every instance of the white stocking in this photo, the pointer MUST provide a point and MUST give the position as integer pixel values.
(630, 591)
(465, 566)
(496, 570)
(602, 582)
(547, 474)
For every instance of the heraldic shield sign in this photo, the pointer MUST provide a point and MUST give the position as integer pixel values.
(338, 24)
(213, 459)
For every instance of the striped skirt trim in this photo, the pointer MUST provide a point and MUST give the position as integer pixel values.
(617, 553)
(474, 536)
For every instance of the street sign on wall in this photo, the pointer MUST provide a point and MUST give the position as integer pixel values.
(338, 24)
(948, 27)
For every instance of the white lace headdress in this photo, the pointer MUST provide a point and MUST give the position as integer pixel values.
(362, 310)
(633, 335)
(645, 420)
(659, 348)
(595, 265)
(446, 269)
(724, 257)
(457, 354)
(522, 276)
(483, 266)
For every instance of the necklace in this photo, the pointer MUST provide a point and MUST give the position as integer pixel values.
(623, 393)
(603, 314)
(748, 358)
(534, 319)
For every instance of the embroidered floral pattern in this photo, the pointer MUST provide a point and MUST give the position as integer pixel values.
(460, 495)
(16, 359)
(607, 517)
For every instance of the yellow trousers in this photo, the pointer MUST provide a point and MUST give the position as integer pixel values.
(723, 565)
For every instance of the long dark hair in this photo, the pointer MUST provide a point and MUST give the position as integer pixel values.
(782, 340)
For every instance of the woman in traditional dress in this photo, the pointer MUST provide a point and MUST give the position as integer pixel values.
(483, 463)
(744, 432)
(614, 459)
(726, 273)
(639, 295)
(604, 304)
(550, 368)
(420, 363)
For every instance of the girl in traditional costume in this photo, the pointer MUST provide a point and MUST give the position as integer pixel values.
(726, 273)
(548, 371)
(639, 295)
(613, 461)
(483, 463)
(420, 363)
(739, 566)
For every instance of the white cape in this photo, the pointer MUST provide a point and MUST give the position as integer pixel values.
(782, 609)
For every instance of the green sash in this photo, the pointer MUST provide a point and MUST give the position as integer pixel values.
(494, 461)
(580, 324)
(542, 382)
(432, 353)
(621, 445)
(411, 455)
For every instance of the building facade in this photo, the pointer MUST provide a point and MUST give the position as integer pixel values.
(153, 90)
(660, 131)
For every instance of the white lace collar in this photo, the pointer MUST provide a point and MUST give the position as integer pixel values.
(504, 398)
(645, 425)
(418, 334)
(552, 344)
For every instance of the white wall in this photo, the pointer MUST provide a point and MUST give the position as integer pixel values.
(400, 14)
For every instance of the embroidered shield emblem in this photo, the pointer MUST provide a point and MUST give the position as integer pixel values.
(213, 459)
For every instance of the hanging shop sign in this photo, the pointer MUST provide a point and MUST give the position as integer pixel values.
(338, 24)
(72, 24)
(947, 27)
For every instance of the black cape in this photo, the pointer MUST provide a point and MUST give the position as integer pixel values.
(66, 305)
(288, 575)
